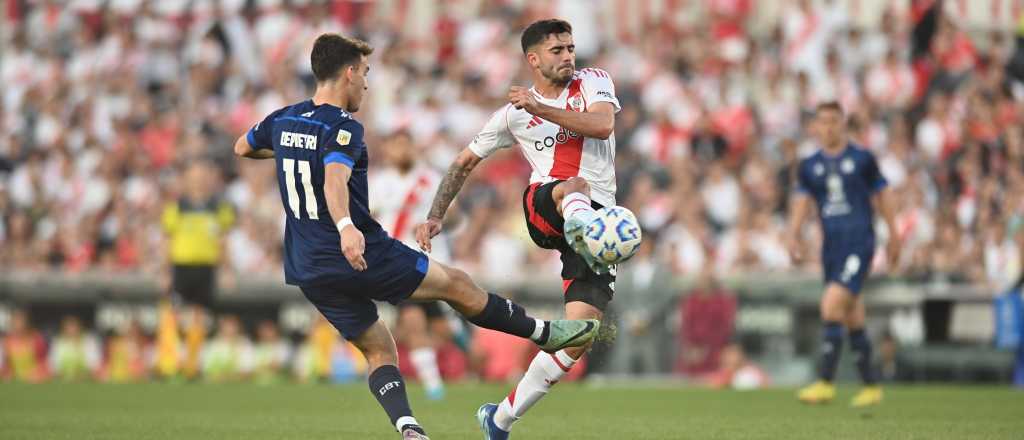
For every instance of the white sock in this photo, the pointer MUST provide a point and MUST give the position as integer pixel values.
(538, 330)
(577, 205)
(545, 370)
(405, 420)
(425, 361)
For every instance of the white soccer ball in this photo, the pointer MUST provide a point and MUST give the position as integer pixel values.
(614, 236)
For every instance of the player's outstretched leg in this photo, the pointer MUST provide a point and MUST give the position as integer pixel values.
(834, 306)
(546, 369)
(572, 199)
(871, 394)
(488, 310)
(386, 383)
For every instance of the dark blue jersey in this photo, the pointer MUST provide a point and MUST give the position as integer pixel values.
(842, 186)
(305, 137)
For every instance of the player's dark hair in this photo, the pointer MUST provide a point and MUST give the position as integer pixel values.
(829, 105)
(537, 31)
(333, 52)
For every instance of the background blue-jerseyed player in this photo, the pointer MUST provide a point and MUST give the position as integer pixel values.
(844, 181)
(340, 256)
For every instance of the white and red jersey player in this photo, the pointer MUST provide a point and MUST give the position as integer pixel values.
(553, 152)
(409, 201)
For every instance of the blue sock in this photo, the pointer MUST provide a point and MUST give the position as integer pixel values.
(832, 338)
(387, 386)
(860, 343)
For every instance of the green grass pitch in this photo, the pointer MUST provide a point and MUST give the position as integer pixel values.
(191, 411)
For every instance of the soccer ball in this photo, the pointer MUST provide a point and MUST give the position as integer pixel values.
(613, 236)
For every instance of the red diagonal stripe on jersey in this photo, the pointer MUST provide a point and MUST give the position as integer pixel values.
(411, 199)
(569, 153)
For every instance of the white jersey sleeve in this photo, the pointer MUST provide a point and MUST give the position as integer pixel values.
(495, 135)
(598, 87)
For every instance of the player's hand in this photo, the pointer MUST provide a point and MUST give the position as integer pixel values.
(352, 245)
(892, 251)
(522, 98)
(796, 251)
(426, 231)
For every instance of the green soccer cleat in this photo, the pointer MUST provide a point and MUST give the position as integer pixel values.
(564, 333)
(573, 231)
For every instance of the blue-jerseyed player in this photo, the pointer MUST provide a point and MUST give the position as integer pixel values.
(340, 257)
(844, 181)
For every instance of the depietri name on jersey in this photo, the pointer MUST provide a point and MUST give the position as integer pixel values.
(298, 140)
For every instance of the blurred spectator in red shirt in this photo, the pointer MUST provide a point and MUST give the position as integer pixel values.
(708, 314)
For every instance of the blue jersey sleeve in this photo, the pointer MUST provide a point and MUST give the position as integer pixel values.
(802, 183)
(260, 135)
(873, 175)
(344, 144)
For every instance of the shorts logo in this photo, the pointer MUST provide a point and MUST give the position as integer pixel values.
(511, 310)
(344, 137)
(851, 268)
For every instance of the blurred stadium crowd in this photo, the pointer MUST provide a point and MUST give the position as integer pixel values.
(105, 102)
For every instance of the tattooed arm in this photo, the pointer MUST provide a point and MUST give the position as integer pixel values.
(450, 186)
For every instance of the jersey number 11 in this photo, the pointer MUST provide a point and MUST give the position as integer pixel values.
(307, 187)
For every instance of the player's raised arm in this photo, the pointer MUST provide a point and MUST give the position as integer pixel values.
(256, 143)
(494, 136)
(243, 149)
(598, 122)
(446, 192)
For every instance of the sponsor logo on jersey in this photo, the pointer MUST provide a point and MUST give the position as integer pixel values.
(606, 94)
(534, 122)
(561, 137)
(344, 137)
(307, 114)
(847, 166)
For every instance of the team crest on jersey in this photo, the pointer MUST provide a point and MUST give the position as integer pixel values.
(344, 137)
(576, 103)
(847, 166)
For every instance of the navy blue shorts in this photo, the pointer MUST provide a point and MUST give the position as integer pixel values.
(392, 277)
(849, 267)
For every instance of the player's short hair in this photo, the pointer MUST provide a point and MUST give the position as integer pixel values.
(332, 52)
(829, 105)
(537, 31)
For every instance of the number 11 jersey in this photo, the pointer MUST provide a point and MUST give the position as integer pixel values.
(305, 138)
